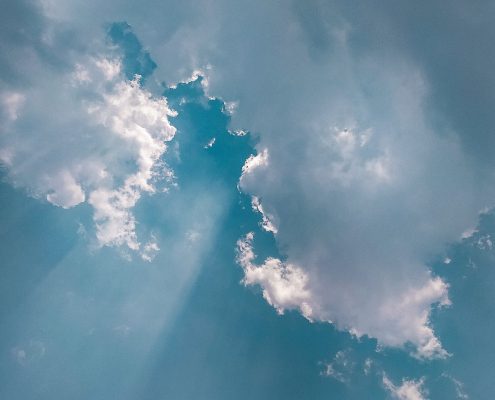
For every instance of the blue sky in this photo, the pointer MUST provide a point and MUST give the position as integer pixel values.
(217, 200)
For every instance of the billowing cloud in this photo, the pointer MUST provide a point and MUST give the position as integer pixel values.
(404, 319)
(363, 175)
(284, 286)
(87, 134)
(360, 273)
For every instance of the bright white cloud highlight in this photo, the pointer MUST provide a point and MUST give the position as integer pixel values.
(267, 222)
(408, 390)
(284, 285)
(399, 321)
(100, 139)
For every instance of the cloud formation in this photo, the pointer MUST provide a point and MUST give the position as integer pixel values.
(87, 134)
(284, 285)
(407, 390)
(365, 164)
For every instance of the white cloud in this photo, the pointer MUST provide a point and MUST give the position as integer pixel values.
(284, 285)
(341, 367)
(267, 221)
(408, 390)
(485, 242)
(468, 233)
(63, 190)
(254, 162)
(402, 319)
(150, 249)
(141, 123)
(99, 140)
(350, 158)
(360, 209)
(210, 143)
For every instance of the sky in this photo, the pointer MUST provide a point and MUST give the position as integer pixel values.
(219, 199)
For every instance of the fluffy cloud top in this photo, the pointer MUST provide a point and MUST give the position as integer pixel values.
(284, 286)
(363, 269)
(88, 134)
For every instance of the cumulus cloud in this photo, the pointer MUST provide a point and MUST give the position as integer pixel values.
(140, 121)
(407, 390)
(402, 319)
(358, 173)
(86, 133)
(284, 285)
(392, 309)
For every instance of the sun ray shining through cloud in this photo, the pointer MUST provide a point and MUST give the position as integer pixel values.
(213, 199)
